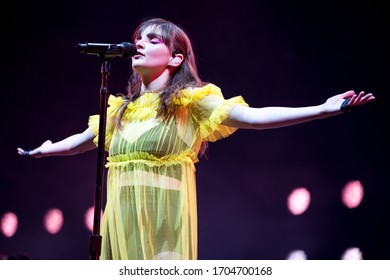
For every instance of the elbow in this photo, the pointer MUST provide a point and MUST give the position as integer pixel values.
(257, 126)
(77, 150)
(82, 148)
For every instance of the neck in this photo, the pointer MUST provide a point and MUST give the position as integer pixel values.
(154, 82)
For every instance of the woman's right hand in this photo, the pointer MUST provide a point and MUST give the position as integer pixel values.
(36, 153)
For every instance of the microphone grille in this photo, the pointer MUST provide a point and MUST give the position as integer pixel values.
(128, 49)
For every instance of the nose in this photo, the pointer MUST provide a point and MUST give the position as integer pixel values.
(139, 44)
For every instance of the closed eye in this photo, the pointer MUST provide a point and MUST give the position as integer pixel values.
(156, 41)
(155, 38)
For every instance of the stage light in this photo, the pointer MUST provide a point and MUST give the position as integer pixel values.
(297, 255)
(53, 220)
(352, 253)
(9, 224)
(89, 216)
(352, 194)
(298, 201)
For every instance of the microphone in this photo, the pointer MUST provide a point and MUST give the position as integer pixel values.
(345, 106)
(124, 49)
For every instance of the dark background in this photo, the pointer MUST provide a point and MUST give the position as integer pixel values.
(288, 53)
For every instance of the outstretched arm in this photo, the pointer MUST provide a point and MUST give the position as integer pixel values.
(274, 117)
(72, 145)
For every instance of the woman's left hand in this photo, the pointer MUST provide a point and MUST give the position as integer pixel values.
(333, 104)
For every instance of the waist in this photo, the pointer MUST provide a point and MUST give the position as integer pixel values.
(150, 159)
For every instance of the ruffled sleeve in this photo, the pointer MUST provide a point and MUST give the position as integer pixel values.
(114, 103)
(210, 109)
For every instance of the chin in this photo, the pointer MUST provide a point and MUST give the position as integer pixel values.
(137, 66)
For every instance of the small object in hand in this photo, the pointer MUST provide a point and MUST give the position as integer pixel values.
(345, 106)
(26, 153)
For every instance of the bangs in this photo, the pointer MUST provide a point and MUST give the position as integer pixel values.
(155, 26)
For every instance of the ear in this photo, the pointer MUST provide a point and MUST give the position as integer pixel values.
(176, 60)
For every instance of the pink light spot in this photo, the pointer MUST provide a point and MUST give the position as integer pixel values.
(9, 224)
(89, 217)
(53, 220)
(298, 201)
(297, 255)
(352, 194)
(352, 253)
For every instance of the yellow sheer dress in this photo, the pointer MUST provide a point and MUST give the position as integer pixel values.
(151, 208)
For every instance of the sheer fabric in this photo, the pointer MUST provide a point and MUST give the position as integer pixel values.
(151, 209)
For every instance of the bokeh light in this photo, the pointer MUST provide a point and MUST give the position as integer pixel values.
(352, 194)
(298, 201)
(53, 220)
(9, 224)
(89, 216)
(352, 253)
(297, 255)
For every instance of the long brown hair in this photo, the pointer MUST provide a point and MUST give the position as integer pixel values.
(185, 75)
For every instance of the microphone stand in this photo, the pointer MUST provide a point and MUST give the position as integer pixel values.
(106, 53)
(95, 238)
